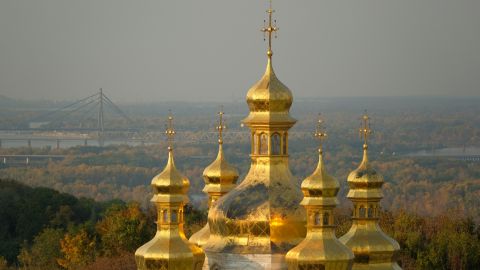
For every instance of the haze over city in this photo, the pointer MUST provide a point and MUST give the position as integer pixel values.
(212, 50)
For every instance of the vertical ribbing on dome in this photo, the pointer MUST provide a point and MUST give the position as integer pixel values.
(320, 167)
(220, 154)
(170, 160)
(364, 162)
(269, 69)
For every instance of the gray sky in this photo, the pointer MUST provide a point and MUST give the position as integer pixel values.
(154, 50)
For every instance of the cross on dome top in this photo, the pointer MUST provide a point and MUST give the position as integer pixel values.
(270, 29)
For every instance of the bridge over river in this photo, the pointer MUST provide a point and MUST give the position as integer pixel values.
(8, 140)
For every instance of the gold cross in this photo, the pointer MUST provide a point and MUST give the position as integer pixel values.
(320, 133)
(269, 29)
(170, 131)
(365, 130)
(221, 125)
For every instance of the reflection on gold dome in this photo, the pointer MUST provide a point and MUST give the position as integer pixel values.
(169, 249)
(373, 249)
(321, 249)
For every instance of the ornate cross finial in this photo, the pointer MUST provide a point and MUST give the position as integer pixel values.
(320, 133)
(221, 125)
(269, 29)
(365, 130)
(170, 131)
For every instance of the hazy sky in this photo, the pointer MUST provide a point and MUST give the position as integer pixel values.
(154, 50)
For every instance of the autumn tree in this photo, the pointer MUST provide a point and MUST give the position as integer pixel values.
(44, 252)
(123, 229)
(78, 250)
(3, 264)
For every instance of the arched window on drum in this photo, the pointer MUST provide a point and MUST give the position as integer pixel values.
(275, 146)
(370, 211)
(255, 146)
(326, 219)
(284, 144)
(317, 218)
(263, 147)
(362, 211)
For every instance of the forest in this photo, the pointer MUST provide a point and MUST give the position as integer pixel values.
(65, 232)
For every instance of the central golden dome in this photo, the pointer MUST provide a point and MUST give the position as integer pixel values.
(269, 100)
(269, 94)
(260, 220)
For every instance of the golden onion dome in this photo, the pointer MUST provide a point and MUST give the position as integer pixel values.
(269, 100)
(365, 182)
(170, 184)
(269, 94)
(320, 185)
(220, 176)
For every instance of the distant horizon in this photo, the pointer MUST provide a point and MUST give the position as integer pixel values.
(296, 98)
(213, 50)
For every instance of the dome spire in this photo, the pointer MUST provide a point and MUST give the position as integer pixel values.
(221, 126)
(170, 131)
(269, 100)
(270, 29)
(320, 134)
(365, 132)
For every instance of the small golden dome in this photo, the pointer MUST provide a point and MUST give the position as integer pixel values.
(169, 249)
(220, 176)
(320, 184)
(170, 184)
(365, 181)
(320, 249)
(373, 249)
(269, 99)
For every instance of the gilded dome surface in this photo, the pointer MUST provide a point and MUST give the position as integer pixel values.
(320, 184)
(320, 249)
(220, 176)
(256, 223)
(169, 249)
(365, 181)
(170, 184)
(269, 100)
(269, 94)
(262, 215)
